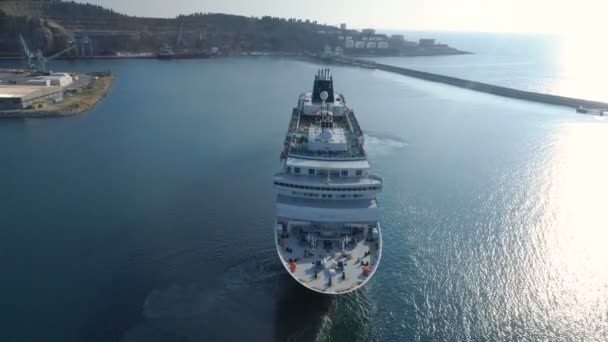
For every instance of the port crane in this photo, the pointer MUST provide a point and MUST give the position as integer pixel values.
(37, 61)
(86, 45)
(180, 41)
(27, 52)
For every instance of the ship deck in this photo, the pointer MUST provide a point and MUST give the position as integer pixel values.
(339, 264)
(297, 137)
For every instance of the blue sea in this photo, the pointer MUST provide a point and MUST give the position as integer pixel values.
(150, 217)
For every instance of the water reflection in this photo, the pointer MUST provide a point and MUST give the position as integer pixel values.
(576, 256)
(556, 284)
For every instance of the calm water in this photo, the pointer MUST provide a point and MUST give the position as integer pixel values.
(562, 65)
(150, 217)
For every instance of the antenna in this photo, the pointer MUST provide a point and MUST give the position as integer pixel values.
(324, 95)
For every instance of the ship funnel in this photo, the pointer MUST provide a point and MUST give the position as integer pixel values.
(323, 83)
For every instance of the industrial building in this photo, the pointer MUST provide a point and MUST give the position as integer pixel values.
(55, 79)
(23, 97)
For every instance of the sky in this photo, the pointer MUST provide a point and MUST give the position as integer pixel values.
(540, 16)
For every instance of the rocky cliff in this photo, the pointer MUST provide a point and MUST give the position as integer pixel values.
(48, 25)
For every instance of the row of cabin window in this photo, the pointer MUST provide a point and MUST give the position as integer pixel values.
(325, 189)
(306, 194)
(343, 173)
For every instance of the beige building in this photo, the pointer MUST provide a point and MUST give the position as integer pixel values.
(23, 97)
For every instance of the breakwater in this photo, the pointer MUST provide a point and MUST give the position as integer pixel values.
(471, 85)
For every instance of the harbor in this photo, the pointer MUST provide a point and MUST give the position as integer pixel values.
(88, 209)
(175, 174)
(37, 91)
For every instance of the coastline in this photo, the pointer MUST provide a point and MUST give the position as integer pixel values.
(353, 54)
(72, 104)
(133, 56)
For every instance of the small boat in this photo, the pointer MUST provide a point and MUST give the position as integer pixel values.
(594, 111)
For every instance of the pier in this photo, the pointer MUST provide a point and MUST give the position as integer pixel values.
(468, 84)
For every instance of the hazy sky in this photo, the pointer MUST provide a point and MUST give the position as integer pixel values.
(554, 16)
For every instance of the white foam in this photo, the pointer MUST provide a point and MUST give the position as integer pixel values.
(376, 144)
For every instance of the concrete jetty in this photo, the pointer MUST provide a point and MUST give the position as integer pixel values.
(468, 84)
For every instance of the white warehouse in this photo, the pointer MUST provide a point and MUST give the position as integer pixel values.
(55, 79)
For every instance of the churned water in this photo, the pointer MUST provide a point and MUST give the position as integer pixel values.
(150, 217)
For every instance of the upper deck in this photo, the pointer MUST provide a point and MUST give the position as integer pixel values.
(298, 138)
(322, 127)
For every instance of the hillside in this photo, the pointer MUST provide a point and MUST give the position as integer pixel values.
(48, 25)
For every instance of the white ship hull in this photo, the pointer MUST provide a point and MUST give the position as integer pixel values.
(327, 233)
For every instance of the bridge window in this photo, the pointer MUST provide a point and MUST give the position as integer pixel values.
(311, 171)
(344, 173)
(359, 172)
(296, 170)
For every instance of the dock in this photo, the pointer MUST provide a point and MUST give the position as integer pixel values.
(24, 99)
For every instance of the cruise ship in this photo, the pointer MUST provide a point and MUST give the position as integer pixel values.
(327, 232)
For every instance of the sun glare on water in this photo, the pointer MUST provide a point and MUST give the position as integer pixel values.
(573, 273)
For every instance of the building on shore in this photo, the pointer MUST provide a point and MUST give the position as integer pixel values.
(55, 79)
(28, 96)
(425, 42)
(368, 31)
